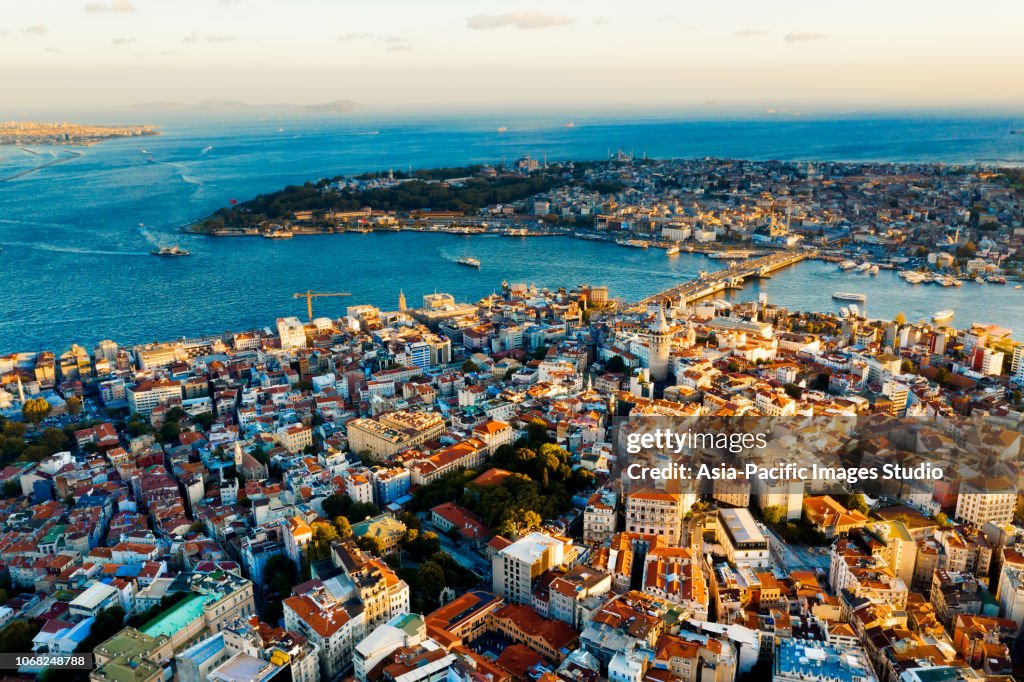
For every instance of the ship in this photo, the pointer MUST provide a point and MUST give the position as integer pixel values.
(469, 261)
(873, 270)
(863, 267)
(169, 251)
(942, 316)
(502, 129)
(634, 243)
(845, 296)
(847, 265)
(278, 234)
(672, 250)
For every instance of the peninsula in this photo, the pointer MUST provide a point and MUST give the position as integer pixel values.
(35, 132)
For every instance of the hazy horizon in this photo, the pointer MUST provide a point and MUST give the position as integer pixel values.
(454, 55)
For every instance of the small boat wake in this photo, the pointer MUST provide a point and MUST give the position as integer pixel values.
(206, 150)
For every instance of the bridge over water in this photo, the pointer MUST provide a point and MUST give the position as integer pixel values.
(732, 277)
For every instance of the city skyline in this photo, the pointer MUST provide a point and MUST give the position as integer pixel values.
(458, 55)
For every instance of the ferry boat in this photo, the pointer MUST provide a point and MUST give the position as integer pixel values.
(912, 277)
(169, 251)
(847, 265)
(469, 261)
(502, 129)
(635, 243)
(863, 267)
(846, 296)
(996, 279)
(942, 316)
(979, 279)
(278, 234)
(873, 270)
(672, 250)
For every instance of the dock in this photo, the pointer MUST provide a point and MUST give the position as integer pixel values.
(709, 284)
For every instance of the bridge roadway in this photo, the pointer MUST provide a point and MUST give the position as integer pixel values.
(732, 277)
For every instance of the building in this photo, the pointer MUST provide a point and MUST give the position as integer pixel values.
(405, 630)
(334, 627)
(215, 600)
(1010, 594)
(391, 433)
(291, 332)
(147, 395)
(659, 339)
(131, 656)
(514, 569)
(599, 516)
(986, 500)
(798, 660)
(741, 537)
(655, 512)
(295, 437)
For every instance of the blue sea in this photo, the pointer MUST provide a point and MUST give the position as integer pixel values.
(76, 235)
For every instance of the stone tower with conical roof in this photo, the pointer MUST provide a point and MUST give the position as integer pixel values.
(401, 300)
(659, 343)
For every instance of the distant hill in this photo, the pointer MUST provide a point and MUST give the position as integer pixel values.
(340, 106)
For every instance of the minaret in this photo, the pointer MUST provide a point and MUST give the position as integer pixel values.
(401, 300)
(21, 392)
(659, 342)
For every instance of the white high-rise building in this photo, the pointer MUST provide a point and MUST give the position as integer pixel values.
(291, 331)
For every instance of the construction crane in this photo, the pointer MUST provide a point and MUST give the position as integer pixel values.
(310, 295)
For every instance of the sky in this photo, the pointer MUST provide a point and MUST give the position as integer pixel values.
(780, 55)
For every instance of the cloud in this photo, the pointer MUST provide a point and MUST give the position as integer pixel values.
(122, 6)
(122, 41)
(54, 50)
(803, 37)
(600, 21)
(352, 37)
(394, 43)
(750, 32)
(196, 37)
(36, 30)
(521, 20)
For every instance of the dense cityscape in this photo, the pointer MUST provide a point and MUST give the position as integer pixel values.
(439, 492)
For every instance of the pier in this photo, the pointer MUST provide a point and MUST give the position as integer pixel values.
(729, 278)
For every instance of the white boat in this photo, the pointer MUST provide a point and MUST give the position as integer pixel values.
(846, 296)
(844, 311)
(847, 265)
(470, 261)
(672, 250)
(854, 310)
(873, 270)
(278, 234)
(979, 279)
(502, 129)
(863, 267)
(942, 316)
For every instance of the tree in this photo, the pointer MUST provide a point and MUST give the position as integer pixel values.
(429, 582)
(858, 503)
(323, 535)
(942, 376)
(16, 636)
(35, 410)
(793, 391)
(421, 544)
(773, 515)
(73, 406)
(942, 520)
(370, 544)
(469, 366)
(343, 527)
(615, 364)
(169, 431)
